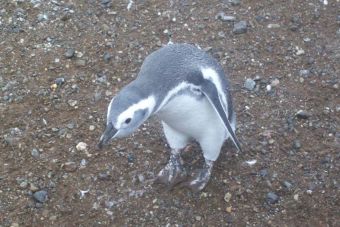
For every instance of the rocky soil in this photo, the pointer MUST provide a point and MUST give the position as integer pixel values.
(62, 61)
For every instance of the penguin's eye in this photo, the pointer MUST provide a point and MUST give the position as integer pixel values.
(127, 121)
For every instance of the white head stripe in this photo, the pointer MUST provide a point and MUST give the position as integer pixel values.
(211, 74)
(109, 109)
(148, 103)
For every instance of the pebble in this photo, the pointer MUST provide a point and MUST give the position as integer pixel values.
(235, 2)
(297, 144)
(249, 84)
(240, 27)
(107, 57)
(35, 153)
(287, 185)
(69, 53)
(263, 172)
(302, 114)
(33, 187)
(273, 26)
(272, 198)
(198, 218)
(304, 72)
(92, 127)
(72, 102)
(59, 81)
(70, 166)
(225, 18)
(23, 184)
(275, 82)
(97, 96)
(131, 158)
(227, 197)
(40, 196)
(81, 146)
(81, 62)
(42, 17)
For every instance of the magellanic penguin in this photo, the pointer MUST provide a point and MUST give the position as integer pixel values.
(189, 92)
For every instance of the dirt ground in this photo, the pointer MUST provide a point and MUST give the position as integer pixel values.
(62, 61)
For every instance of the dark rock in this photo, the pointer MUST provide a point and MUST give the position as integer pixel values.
(131, 158)
(59, 81)
(263, 172)
(301, 114)
(40, 196)
(272, 198)
(107, 57)
(240, 27)
(296, 144)
(69, 53)
(287, 185)
(223, 17)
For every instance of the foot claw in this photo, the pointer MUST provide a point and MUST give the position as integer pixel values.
(173, 173)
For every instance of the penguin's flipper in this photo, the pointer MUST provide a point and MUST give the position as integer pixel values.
(210, 91)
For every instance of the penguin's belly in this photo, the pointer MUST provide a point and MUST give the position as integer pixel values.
(192, 115)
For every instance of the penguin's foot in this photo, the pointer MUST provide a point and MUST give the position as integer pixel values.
(173, 173)
(200, 178)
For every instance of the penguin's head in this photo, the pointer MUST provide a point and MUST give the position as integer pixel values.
(125, 113)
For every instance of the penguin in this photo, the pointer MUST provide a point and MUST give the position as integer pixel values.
(189, 92)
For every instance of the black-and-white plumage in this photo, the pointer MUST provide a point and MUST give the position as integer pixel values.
(188, 91)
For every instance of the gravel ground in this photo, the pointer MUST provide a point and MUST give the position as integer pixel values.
(62, 61)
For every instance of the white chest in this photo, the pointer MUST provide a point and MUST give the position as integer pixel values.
(191, 116)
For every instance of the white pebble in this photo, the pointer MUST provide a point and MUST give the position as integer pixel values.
(81, 146)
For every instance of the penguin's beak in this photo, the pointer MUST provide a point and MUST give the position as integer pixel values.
(108, 134)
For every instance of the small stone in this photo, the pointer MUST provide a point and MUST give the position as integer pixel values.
(300, 52)
(198, 218)
(97, 96)
(69, 53)
(268, 88)
(221, 16)
(275, 82)
(304, 72)
(301, 114)
(35, 153)
(33, 187)
(296, 144)
(296, 197)
(240, 27)
(23, 184)
(104, 176)
(40, 196)
(107, 57)
(59, 81)
(131, 158)
(42, 17)
(14, 224)
(141, 178)
(287, 185)
(92, 127)
(70, 166)
(81, 62)
(273, 26)
(235, 2)
(249, 84)
(72, 102)
(272, 198)
(229, 209)
(227, 197)
(81, 146)
(263, 172)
